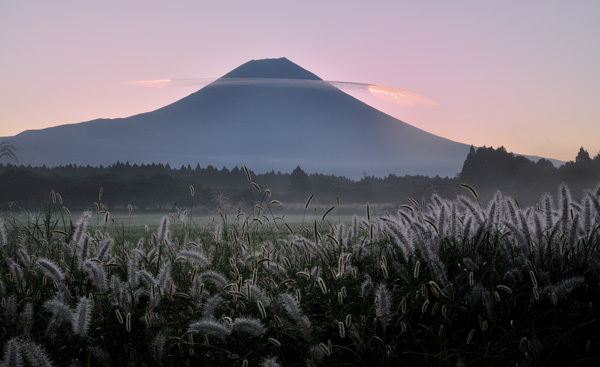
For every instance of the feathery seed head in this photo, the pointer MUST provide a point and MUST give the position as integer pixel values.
(270, 362)
(3, 236)
(50, 269)
(82, 317)
(163, 232)
(210, 328)
(35, 355)
(249, 326)
(12, 353)
(383, 304)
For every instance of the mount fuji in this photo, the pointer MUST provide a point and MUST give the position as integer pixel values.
(266, 114)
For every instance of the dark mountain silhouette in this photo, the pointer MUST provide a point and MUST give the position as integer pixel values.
(267, 114)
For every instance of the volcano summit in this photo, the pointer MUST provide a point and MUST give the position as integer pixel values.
(267, 114)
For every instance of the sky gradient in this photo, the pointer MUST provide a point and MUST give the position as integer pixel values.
(518, 74)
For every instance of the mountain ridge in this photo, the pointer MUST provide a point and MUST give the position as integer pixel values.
(266, 126)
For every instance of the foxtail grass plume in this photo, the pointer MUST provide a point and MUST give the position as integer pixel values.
(80, 228)
(292, 307)
(383, 304)
(3, 237)
(17, 273)
(60, 311)
(163, 230)
(82, 317)
(50, 268)
(211, 305)
(158, 345)
(35, 355)
(213, 277)
(194, 256)
(97, 274)
(249, 326)
(270, 362)
(24, 256)
(13, 355)
(210, 328)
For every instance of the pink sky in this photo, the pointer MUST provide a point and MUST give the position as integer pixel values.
(522, 74)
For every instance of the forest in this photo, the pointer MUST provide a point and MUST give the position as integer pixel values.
(161, 187)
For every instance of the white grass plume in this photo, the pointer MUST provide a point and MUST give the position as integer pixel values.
(80, 228)
(165, 280)
(35, 355)
(3, 236)
(106, 246)
(82, 317)
(564, 287)
(366, 288)
(116, 286)
(565, 200)
(59, 310)
(211, 306)
(218, 233)
(249, 326)
(97, 274)
(258, 294)
(163, 230)
(147, 278)
(383, 304)
(436, 266)
(197, 291)
(158, 345)
(548, 211)
(84, 248)
(132, 269)
(354, 229)
(290, 304)
(270, 362)
(292, 307)
(588, 218)
(399, 236)
(473, 210)
(12, 353)
(10, 308)
(50, 268)
(210, 328)
(538, 235)
(17, 273)
(193, 256)
(24, 256)
(215, 278)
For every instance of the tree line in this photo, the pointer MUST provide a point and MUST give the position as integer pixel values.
(158, 186)
(489, 170)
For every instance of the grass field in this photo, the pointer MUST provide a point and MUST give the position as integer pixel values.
(435, 282)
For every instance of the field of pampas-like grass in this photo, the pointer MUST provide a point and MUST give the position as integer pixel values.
(437, 283)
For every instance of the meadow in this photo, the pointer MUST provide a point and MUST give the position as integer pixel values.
(434, 282)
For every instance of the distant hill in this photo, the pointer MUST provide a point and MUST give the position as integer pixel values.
(267, 114)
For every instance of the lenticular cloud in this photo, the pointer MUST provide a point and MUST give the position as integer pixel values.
(382, 92)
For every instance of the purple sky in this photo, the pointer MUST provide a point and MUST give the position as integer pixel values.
(522, 74)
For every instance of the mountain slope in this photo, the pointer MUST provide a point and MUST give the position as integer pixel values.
(267, 114)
